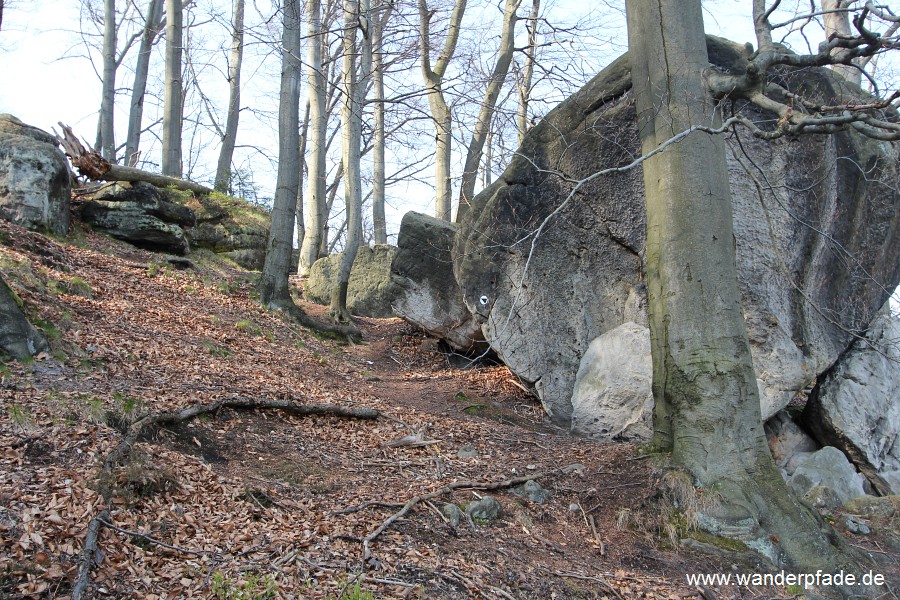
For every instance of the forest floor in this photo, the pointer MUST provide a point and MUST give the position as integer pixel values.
(266, 504)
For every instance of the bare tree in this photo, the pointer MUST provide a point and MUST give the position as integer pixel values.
(315, 197)
(226, 153)
(379, 22)
(153, 23)
(440, 112)
(707, 409)
(486, 113)
(174, 91)
(356, 18)
(108, 95)
(523, 85)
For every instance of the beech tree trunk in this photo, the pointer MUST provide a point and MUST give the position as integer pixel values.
(838, 24)
(486, 114)
(707, 410)
(152, 25)
(174, 93)
(108, 95)
(524, 84)
(440, 112)
(356, 16)
(274, 291)
(226, 153)
(314, 216)
(379, 222)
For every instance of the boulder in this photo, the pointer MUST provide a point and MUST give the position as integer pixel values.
(547, 268)
(427, 293)
(137, 213)
(228, 226)
(827, 467)
(18, 337)
(856, 406)
(370, 291)
(485, 510)
(34, 178)
(612, 399)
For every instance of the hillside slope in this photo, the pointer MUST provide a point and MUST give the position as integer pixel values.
(261, 503)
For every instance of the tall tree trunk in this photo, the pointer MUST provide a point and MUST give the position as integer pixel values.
(304, 135)
(318, 122)
(274, 290)
(528, 72)
(223, 169)
(440, 112)
(486, 114)
(707, 410)
(152, 25)
(379, 222)
(108, 96)
(172, 101)
(356, 16)
(838, 24)
(761, 25)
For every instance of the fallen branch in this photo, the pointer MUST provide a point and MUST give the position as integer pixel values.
(93, 166)
(456, 485)
(87, 555)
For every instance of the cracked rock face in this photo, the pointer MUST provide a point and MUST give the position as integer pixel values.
(547, 268)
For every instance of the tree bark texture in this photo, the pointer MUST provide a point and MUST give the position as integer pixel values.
(524, 84)
(379, 222)
(108, 95)
(274, 290)
(226, 153)
(314, 216)
(440, 112)
(356, 16)
(707, 410)
(173, 95)
(152, 25)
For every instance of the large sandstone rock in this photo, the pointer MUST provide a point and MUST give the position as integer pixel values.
(17, 336)
(230, 227)
(138, 214)
(613, 399)
(856, 406)
(34, 178)
(816, 230)
(789, 444)
(370, 291)
(428, 295)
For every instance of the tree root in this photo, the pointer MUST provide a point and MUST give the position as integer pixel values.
(120, 453)
(472, 485)
(338, 330)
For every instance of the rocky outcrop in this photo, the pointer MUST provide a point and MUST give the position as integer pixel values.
(18, 337)
(856, 406)
(789, 444)
(548, 268)
(34, 178)
(612, 399)
(370, 291)
(230, 227)
(428, 295)
(138, 214)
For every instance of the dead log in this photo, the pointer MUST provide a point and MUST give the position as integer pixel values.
(93, 166)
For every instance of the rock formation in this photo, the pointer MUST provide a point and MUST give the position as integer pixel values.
(370, 291)
(138, 214)
(427, 293)
(856, 406)
(547, 266)
(230, 227)
(34, 178)
(18, 337)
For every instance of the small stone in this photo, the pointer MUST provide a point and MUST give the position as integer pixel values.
(855, 525)
(485, 510)
(574, 507)
(573, 468)
(823, 497)
(531, 467)
(453, 513)
(532, 490)
(467, 451)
